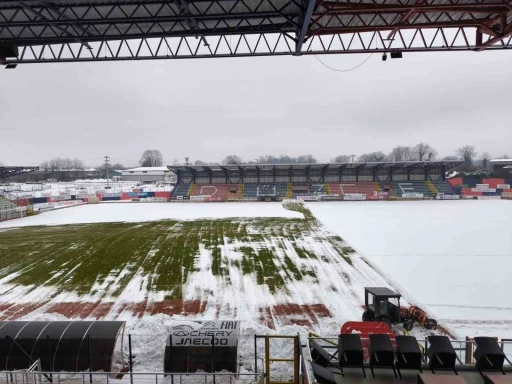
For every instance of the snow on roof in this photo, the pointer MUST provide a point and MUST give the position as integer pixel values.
(502, 161)
(145, 169)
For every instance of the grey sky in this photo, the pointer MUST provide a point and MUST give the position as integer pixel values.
(207, 109)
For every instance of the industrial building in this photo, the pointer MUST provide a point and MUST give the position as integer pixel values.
(148, 175)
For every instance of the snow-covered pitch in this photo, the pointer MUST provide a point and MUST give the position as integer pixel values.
(453, 256)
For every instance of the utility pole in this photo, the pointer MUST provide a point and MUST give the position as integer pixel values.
(107, 159)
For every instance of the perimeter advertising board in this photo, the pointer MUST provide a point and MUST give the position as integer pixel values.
(202, 345)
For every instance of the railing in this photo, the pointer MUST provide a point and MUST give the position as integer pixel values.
(36, 377)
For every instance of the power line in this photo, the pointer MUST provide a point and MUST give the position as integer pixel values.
(344, 70)
(107, 159)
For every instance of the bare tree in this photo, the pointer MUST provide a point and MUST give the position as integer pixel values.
(199, 162)
(504, 157)
(175, 161)
(485, 159)
(232, 159)
(151, 158)
(398, 153)
(468, 153)
(373, 157)
(425, 152)
(118, 166)
(306, 159)
(341, 159)
(186, 160)
(450, 158)
(45, 166)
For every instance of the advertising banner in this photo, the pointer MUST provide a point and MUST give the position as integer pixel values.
(503, 186)
(354, 196)
(308, 198)
(138, 194)
(412, 195)
(112, 195)
(201, 333)
(442, 196)
(483, 189)
(59, 198)
(199, 198)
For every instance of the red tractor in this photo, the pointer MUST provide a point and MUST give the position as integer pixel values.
(383, 305)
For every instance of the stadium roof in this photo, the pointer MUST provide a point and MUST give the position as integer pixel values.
(14, 171)
(98, 30)
(318, 166)
(501, 161)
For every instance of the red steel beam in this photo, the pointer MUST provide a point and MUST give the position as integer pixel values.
(373, 8)
(403, 19)
(496, 39)
(372, 28)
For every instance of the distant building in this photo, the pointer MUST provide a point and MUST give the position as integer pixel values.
(148, 175)
(501, 166)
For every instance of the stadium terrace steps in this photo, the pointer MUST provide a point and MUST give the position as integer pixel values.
(431, 187)
(191, 190)
(289, 193)
(377, 187)
(241, 191)
(327, 188)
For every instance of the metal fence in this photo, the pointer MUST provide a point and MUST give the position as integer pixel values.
(37, 377)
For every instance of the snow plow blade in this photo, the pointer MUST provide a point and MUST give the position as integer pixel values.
(421, 318)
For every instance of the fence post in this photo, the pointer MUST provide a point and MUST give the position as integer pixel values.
(255, 355)
(90, 357)
(170, 358)
(213, 358)
(130, 358)
(50, 362)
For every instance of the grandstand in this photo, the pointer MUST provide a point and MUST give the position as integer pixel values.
(350, 181)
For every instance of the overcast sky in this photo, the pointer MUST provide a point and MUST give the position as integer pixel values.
(209, 108)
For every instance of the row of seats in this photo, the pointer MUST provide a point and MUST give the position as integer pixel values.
(402, 188)
(404, 354)
(253, 191)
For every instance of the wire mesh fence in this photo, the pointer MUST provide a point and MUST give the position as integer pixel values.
(35, 377)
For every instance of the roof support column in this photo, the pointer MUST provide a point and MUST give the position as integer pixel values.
(305, 19)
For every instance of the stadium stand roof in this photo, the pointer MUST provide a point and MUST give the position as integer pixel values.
(14, 171)
(98, 30)
(314, 172)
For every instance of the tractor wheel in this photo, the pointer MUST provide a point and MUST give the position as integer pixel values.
(368, 315)
(431, 324)
(408, 325)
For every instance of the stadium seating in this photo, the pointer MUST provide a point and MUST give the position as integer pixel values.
(216, 192)
(402, 188)
(443, 187)
(263, 191)
(363, 187)
(181, 190)
(8, 210)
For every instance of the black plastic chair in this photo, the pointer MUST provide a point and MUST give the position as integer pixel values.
(488, 355)
(320, 355)
(323, 375)
(441, 354)
(350, 351)
(381, 352)
(408, 354)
